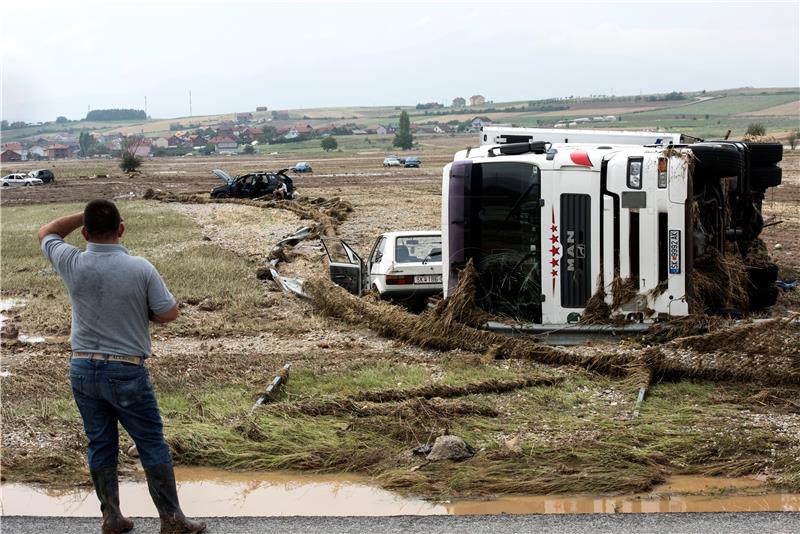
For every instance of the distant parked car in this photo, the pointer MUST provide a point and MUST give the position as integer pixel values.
(45, 175)
(401, 266)
(412, 161)
(19, 178)
(302, 166)
(391, 162)
(253, 185)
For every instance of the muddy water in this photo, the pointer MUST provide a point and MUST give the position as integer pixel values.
(210, 492)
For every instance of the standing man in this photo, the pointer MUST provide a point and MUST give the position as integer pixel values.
(113, 295)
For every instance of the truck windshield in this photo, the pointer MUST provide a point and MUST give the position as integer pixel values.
(502, 237)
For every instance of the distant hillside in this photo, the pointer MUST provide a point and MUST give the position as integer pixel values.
(701, 113)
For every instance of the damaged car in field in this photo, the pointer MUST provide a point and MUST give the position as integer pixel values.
(401, 265)
(254, 185)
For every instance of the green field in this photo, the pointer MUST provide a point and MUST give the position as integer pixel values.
(726, 105)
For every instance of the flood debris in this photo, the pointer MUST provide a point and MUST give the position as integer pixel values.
(450, 448)
(772, 366)
(272, 389)
(412, 408)
(326, 213)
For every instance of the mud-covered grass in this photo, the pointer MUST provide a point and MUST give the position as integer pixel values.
(349, 404)
(574, 435)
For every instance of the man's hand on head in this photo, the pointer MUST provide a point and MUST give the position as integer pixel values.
(63, 226)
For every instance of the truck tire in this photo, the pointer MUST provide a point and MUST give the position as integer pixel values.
(764, 177)
(762, 154)
(763, 276)
(716, 160)
(763, 297)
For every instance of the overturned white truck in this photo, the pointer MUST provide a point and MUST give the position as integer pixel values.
(550, 218)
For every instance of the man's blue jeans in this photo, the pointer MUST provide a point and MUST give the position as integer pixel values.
(107, 392)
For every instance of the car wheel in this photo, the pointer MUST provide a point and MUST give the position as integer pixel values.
(765, 153)
(716, 160)
(764, 177)
(222, 195)
(763, 275)
(27, 184)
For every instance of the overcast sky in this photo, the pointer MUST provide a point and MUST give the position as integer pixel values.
(59, 57)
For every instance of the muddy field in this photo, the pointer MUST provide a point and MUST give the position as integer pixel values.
(362, 395)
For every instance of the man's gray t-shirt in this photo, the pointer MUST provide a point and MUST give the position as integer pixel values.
(112, 293)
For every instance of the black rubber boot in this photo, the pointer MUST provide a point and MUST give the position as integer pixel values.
(106, 485)
(161, 483)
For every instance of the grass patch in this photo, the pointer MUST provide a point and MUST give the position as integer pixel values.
(190, 267)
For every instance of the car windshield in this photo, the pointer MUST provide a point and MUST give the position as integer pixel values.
(416, 249)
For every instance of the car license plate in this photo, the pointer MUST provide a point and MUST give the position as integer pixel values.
(428, 279)
(674, 252)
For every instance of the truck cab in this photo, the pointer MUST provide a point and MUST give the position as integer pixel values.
(548, 224)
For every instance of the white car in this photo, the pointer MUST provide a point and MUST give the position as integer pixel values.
(400, 266)
(391, 162)
(20, 179)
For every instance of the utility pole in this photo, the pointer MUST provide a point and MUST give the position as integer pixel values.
(190, 102)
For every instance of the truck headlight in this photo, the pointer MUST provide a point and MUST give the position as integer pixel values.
(662, 173)
(635, 172)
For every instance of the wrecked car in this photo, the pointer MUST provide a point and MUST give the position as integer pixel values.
(401, 265)
(644, 225)
(254, 185)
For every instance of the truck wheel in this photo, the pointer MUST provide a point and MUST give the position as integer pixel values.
(764, 177)
(716, 160)
(763, 297)
(763, 276)
(765, 153)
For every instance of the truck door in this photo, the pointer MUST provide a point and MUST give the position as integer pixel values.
(346, 268)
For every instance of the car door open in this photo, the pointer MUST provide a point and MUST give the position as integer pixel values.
(346, 267)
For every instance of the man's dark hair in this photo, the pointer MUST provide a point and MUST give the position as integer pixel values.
(101, 219)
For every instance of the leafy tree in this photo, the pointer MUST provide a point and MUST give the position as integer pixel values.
(87, 143)
(403, 138)
(329, 143)
(756, 129)
(61, 119)
(268, 134)
(793, 136)
(116, 115)
(130, 162)
(249, 149)
(4, 125)
(208, 149)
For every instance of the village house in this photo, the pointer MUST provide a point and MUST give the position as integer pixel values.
(477, 100)
(161, 142)
(37, 152)
(249, 135)
(140, 148)
(197, 141)
(175, 141)
(10, 155)
(244, 117)
(225, 145)
(57, 151)
(459, 102)
(441, 129)
(479, 122)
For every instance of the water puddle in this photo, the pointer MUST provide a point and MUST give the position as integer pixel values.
(6, 305)
(211, 492)
(30, 339)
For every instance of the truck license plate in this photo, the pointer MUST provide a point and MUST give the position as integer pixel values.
(674, 252)
(428, 279)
